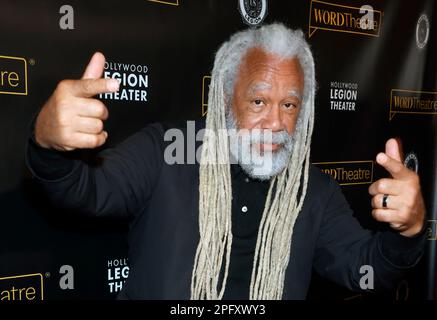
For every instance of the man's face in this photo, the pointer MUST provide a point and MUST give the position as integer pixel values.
(268, 94)
(265, 107)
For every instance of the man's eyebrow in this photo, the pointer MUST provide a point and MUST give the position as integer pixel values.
(259, 87)
(295, 93)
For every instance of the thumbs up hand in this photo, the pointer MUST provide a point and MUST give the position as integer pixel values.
(71, 118)
(398, 200)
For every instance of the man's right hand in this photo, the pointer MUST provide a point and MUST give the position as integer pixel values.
(71, 118)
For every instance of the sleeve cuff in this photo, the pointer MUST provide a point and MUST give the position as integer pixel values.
(401, 251)
(46, 164)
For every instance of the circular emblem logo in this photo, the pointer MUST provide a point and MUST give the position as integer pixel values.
(411, 162)
(422, 31)
(253, 12)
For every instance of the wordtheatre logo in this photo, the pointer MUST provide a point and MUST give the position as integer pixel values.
(412, 102)
(118, 272)
(422, 31)
(13, 75)
(26, 287)
(134, 81)
(343, 96)
(206, 81)
(348, 172)
(172, 3)
(253, 12)
(363, 20)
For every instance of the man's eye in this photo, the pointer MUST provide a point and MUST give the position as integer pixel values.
(289, 105)
(257, 102)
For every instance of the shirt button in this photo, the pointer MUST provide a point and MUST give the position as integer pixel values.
(244, 209)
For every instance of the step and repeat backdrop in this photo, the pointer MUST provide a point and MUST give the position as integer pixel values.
(377, 78)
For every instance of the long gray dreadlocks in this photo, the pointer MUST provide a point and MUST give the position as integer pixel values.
(287, 190)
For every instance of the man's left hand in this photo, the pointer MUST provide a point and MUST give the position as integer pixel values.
(405, 208)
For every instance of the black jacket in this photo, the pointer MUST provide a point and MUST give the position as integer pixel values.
(161, 201)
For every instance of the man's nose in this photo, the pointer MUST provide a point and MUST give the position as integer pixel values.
(272, 120)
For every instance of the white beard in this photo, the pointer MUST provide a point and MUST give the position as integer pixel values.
(244, 148)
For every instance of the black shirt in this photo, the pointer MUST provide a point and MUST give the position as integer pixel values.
(248, 201)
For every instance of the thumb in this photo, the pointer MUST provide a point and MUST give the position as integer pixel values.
(95, 67)
(393, 148)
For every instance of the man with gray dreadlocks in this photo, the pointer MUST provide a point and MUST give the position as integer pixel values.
(254, 217)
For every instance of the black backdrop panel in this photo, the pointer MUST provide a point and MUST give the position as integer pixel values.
(165, 50)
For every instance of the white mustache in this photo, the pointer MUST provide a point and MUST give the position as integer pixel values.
(256, 136)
